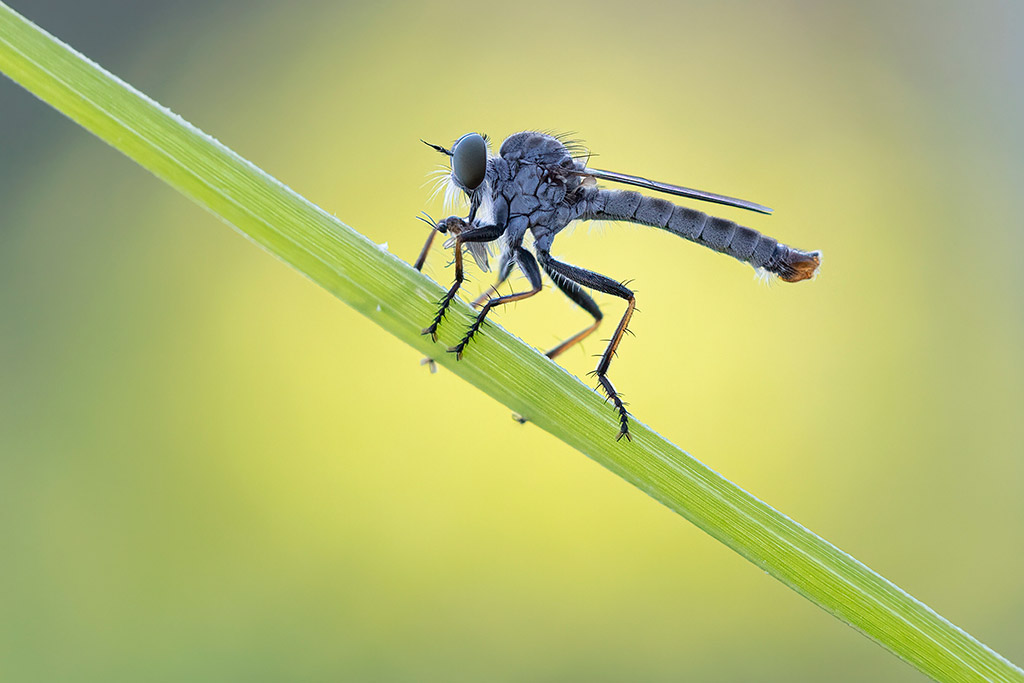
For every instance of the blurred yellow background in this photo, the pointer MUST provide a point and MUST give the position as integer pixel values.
(210, 469)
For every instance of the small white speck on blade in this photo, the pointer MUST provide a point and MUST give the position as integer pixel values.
(383, 246)
(378, 308)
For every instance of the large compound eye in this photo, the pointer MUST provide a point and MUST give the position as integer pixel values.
(469, 160)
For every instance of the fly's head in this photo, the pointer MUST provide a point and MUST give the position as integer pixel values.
(467, 171)
(468, 162)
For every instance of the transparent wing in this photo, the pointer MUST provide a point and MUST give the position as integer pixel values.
(673, 189)
(481, 251)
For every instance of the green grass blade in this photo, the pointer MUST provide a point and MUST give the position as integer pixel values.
(400, 300)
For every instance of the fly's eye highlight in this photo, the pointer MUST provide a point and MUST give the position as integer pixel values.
(469, 160)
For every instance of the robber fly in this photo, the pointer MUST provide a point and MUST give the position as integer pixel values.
(540, 183)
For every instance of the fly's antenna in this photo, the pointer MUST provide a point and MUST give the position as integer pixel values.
(438, 148)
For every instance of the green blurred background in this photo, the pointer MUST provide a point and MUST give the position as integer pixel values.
(212, 470)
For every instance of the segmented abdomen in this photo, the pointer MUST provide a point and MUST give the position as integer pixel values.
(744, 244)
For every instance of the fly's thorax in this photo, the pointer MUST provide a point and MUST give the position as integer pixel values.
(535, 147)
(535, 178)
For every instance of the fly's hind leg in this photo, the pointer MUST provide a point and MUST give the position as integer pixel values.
(529, 267)
(600, 283)
(584, 301)
(573, 290)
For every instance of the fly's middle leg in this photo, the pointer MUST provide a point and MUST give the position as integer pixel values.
(600, 283)
(504, 270)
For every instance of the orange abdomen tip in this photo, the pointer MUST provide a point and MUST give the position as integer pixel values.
(803, 265)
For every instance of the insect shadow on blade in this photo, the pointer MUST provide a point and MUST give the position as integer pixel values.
(540, 183)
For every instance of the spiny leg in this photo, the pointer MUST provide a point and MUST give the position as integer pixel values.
(581, 299)
(425, 251)
(584, 301)
(418, 265)
(491, 291)
(476, 303)
(431, 329)
(599, 282)
(484, 233)
(529, 267)
(504, 269)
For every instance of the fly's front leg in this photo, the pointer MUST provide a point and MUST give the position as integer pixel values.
(529, 267)
(604, 284)
(434, 229)
(485, 233)
(446, 300)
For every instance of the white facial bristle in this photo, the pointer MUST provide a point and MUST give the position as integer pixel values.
(438, 180)
(452, 194)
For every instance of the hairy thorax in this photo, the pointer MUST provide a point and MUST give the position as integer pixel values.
(536, 177)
